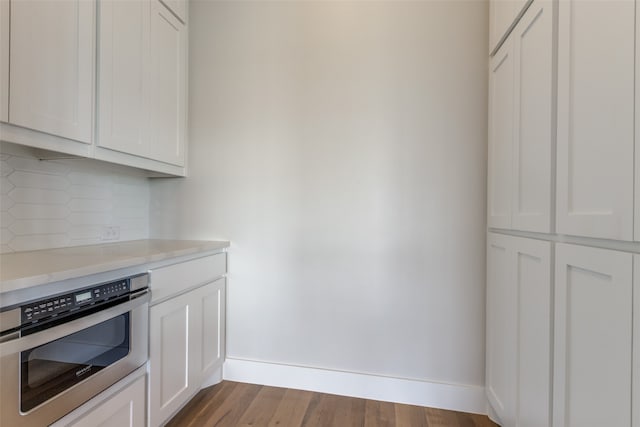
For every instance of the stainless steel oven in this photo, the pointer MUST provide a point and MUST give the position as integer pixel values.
(60, 351)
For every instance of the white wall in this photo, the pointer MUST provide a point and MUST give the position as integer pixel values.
(57, 203)
(341, 147)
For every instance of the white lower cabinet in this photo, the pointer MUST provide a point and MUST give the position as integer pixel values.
(123, 406)
(186, 345)
(593, 337)
(518, 378)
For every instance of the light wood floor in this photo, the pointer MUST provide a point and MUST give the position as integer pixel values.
(238, 404)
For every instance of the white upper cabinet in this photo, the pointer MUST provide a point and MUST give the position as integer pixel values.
(178, 7)
(502, 15)
(4, 60)
(501, 90)
(168, 97)
(534, 136)
(521, 136)
(593, 337)
(123, 69)
(596, 118)
(52, 67)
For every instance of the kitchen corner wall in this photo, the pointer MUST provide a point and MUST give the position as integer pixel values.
(57, 203)
(341, 147)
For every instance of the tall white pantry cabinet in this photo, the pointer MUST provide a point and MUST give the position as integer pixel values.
(563, 214)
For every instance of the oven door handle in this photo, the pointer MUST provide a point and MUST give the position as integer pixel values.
(18, 344)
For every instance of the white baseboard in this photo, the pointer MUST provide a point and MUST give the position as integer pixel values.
(464, 398)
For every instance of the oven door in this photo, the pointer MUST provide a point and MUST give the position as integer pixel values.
(49, 373)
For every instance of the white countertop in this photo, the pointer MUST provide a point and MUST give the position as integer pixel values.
(20, 270)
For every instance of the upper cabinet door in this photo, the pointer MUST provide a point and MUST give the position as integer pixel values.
(123, 75)
(501, 90)
(52, 66)
(4, 60)
(534, 136)
(502, 15)
(595, 118)
(593, 337)
(168, 86)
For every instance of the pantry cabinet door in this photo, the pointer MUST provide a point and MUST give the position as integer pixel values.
(595, 118)
(501, 90)
(4, 60)
(593, 315)
(52, 67)
(502, 331)
(534, 136)
(532, 280)
(168, 86)
(123, 75)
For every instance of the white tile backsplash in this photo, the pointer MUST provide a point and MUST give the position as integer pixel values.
(67, 202)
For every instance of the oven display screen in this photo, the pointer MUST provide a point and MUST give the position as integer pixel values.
(85, 296)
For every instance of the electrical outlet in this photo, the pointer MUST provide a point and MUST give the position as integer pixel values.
(110, 232)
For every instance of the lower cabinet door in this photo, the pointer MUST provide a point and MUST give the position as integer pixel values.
(519, 330)
(532, 279)
(173, 346)
(212, 300)
(501, 328)
(125, 408)
(593, 337)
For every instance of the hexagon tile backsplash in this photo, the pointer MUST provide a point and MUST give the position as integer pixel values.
(58, 203)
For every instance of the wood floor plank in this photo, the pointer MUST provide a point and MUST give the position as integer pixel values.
(410, 416)
(262, 408)
(379, 414)
(291, 409)
(228, 414)
(206, 399)
(237, 404)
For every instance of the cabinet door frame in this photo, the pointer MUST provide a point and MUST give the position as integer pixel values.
(159, 410)
(609, 152)
(109, 134)
(538, 17)
(501, 334)
(607, 265)
(24, 74)
(173, 153)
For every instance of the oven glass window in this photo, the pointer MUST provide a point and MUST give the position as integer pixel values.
(52, 368)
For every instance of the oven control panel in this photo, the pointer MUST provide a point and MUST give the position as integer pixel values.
(54, 306)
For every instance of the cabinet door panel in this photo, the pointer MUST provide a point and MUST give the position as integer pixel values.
(4, 60)
(123, 67)
(501, 328)
(501, 89)
(533, 282)
(178, 7)
(170, 355)
(168, 86)
(212, 298)
(593, 302)
(533, 140)
(595, 118)
(52, 67)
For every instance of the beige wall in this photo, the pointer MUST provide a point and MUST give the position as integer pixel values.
(341, 147)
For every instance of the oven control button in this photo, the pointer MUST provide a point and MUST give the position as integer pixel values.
(36, 313)
(28, 310)
(50, 304)
(43, 305)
